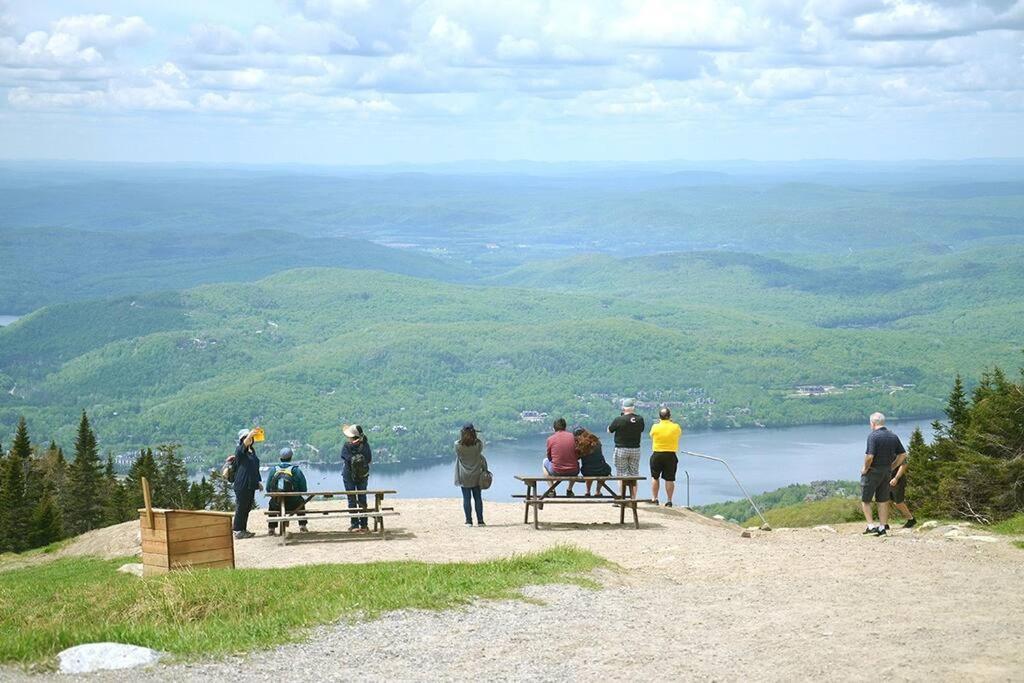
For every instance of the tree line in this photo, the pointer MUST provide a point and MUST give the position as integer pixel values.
(45, 498)
(974, 467)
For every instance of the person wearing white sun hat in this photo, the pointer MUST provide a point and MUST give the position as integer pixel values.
(247, 481)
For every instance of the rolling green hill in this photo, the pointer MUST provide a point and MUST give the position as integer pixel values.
(54, 265)
(729, 340)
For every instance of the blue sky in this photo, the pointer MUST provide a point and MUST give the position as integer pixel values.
(358, 81)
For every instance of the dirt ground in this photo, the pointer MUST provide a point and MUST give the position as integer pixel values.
(697, 601)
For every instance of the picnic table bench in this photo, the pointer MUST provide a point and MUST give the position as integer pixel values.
(376, 510)
(625, 498)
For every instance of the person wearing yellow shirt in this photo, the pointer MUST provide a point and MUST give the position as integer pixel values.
(664, 461)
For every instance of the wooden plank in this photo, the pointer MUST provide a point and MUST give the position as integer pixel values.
(154, 547)
(525, 478)
(176, 547)
(195, 532)
(188, 520)
(154, 559)
(342, 515)
(151, 570)
(203, 556)
(159, 535)
(284, 494)
(216, 564)
(555, 501)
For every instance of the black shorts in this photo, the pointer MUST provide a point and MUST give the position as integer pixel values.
(875, 484)
(898, 493)
(663, 465)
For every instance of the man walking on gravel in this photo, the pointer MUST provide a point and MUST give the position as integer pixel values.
(627, 428)
(882, 449)
(898, 490)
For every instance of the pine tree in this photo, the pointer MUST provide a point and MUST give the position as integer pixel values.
(958, 410)
(85, 481)
(144, 466)
(119, 508)
(46, 525)
(114, 500)
(221, 498)
(22, 446)
(14, 521)
(172, 480)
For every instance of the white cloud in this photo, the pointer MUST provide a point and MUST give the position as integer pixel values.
(231, 102)
(513, 49)
(786, 84)
(235, 79)
(103, 30)
(40, 49)
(267, 39)
(697, 23)
(213, 39)
(449, 36)
(922, 19)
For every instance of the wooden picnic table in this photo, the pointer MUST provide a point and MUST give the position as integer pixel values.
(624, 498)
(376, 510)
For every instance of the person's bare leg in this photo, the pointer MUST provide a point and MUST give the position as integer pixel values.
(904, 510)
(883, 513)
(655, 484)
(866, 507)
(670, 489)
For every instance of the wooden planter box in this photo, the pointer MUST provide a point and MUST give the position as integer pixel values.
(179, 539)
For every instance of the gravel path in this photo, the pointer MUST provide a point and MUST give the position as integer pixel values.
(697, 601)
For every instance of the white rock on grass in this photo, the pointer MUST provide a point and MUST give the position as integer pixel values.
(931, 523)
(131, 568)
(90, 657)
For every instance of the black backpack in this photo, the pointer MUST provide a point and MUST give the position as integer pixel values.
(358, 465)
(281, 481)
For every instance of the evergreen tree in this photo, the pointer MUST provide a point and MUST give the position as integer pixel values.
(958, 410)
(144, 466)
(222, 497)
(85, 481)
(14, 522)
(22, 446)
(115, 500)
(120, 509)
(200, 494)
(172, 480)
(46, 525)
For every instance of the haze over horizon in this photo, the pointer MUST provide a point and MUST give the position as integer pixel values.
(350, 82)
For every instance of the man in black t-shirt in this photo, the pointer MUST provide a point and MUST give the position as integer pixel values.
(627, 428)
(882, 449)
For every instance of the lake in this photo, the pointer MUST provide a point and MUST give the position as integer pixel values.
(7, 319)
(763, 459)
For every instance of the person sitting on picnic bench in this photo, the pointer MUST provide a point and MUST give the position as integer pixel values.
(561, 454)
(356, 456)
(591, 455)
(286, 477)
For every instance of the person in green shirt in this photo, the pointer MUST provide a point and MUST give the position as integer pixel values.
(286, 477)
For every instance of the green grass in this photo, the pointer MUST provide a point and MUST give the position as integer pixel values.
(1019, 544)
(1014, 526)
(827, 511)
(47, 608)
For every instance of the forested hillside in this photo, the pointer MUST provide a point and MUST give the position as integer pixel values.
(411, 359)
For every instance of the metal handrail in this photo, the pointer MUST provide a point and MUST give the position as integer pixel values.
(687, 489)
(765, 524)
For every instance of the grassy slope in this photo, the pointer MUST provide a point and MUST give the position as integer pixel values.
(47, 608)
(303, 350)
(827, 511)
